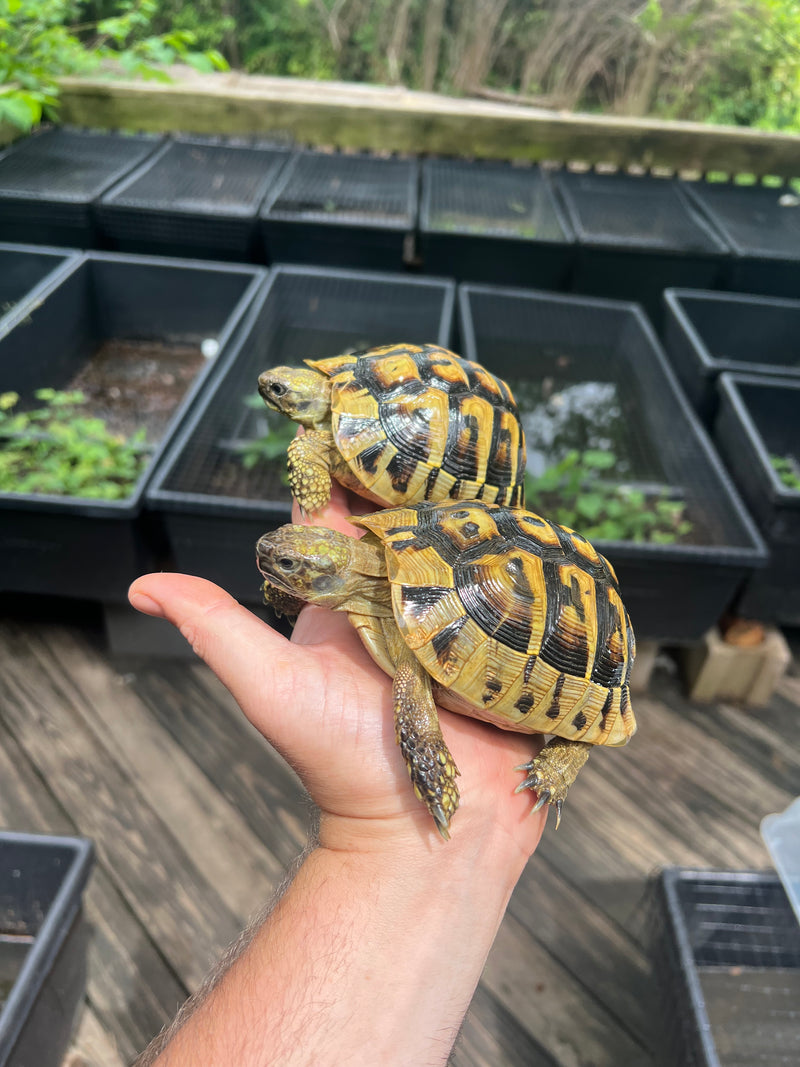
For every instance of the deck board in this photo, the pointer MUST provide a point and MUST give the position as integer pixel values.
(195, 819)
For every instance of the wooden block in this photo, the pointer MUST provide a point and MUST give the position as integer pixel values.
(646, 652)
(715, 670)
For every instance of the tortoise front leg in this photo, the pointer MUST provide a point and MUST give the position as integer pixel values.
(311, 458)
(430, 766)
(553, 771)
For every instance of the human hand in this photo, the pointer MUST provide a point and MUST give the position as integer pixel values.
(323, 703)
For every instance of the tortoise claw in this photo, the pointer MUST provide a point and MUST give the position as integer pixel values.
(441, 820)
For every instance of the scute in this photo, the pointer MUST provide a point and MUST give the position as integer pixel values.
(417, 422)
(512, 616)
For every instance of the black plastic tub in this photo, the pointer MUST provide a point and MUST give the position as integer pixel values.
(590, 377)
(43, 938)
(762, 227)
(493, 222)
(50, 181)
(726, 954)
(758, 420)
(25, 272)
(213, 508)
(342, 210)
(707, 333)
(147, 312)
(194, 197)
(638, 236)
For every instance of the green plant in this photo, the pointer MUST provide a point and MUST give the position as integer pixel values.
(573, 493)
(58, 450)
(43, 40)
(270, 446)
(787, 470)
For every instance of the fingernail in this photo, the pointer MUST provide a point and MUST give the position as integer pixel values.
(146, 605)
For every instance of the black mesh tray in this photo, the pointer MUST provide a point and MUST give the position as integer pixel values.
(25, 272)
(707, 333)
(43, 944)
(726, 948)
(80, 547)
(590, 376)
(50, 180)
(342, 210)
(760, 418)
(762, 226)
(638, 236)
(195, 196)
(493, 222)
(215, 510)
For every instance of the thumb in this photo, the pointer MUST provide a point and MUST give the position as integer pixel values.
(247, 655)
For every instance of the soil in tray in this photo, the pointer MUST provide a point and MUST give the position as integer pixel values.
(135, 384)
(262, 482)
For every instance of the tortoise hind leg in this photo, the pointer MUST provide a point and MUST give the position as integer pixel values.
(430, 766)
(553, 771)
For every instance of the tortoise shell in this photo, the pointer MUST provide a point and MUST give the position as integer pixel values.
(416, 422)
(519, 621)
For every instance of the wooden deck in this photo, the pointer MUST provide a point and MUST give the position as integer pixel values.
(195, 819)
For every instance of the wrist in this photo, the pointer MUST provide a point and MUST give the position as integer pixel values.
(407, 845)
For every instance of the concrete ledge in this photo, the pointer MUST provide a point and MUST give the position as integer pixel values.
(400, 120)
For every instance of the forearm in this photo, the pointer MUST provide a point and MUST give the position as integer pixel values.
(368, 958)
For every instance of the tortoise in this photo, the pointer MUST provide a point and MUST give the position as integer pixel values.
(491, 611)
(399, 424)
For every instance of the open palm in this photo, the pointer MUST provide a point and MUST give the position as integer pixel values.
(327, 708)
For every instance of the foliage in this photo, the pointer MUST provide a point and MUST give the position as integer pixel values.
(273, 444)
(55, 449)
(574, 494)
(787, 470)
(42, 40)
(730, 61)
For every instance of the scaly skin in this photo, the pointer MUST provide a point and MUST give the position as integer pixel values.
(310, 460)
(553, 771)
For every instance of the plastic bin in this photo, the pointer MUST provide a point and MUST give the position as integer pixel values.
(342, 210)
(726, 948)
(43, 939)
(194, 197)
(759, 418)
(638, 236)
(50, 181)
(762, 226)
(213, 508)
(590, 376)
(707, 333)
(25, 272)
(92, 549)
(493, 222)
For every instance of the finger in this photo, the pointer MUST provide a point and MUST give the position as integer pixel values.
(248, 657)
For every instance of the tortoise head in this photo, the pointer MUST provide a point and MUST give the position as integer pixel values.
(298, 392)
(312, 563)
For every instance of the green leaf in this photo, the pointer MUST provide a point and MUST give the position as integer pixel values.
(598, 460)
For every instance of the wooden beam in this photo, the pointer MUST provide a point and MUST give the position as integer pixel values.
(399, 120)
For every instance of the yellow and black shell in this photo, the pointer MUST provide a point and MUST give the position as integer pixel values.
(518, 620)
(416, 422)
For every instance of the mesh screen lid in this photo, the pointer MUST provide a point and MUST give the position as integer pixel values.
(65, 164)
(188, 175)
(489, 199)
(757, 220)
(632, 211)
(334, 186)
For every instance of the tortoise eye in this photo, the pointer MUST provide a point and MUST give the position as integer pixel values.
(277, 389)
(286, 564)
